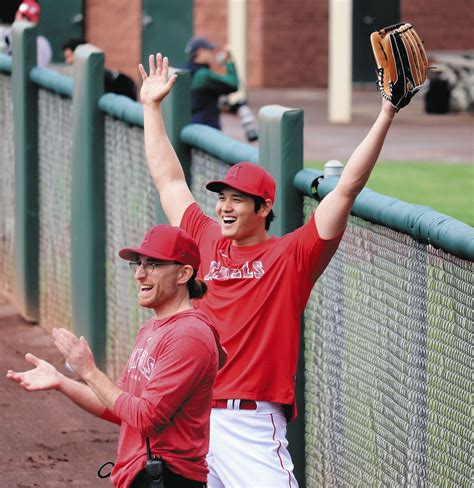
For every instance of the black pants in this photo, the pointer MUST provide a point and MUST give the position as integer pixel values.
(171, 480)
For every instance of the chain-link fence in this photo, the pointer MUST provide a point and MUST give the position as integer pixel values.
(388, 332)
(55, 167)
(205, 168)
(7, 185)
(131, 200)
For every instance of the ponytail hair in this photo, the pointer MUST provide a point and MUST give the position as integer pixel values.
(197, 288)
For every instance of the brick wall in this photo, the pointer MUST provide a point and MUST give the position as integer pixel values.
(115, 27)
(210, 20)
(287, 39)
(442, 28)
(295, 43)
(255, 43)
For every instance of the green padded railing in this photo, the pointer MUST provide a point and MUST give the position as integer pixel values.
(52, 81)
(422, 223)
(5, 63)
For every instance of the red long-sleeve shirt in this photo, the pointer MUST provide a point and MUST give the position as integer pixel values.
(167, 396)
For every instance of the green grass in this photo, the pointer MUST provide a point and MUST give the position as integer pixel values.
(447, 188)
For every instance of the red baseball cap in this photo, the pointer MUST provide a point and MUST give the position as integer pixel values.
(167, 243)
(248, 178)
(30, 9)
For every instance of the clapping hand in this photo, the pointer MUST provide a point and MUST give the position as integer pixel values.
(43, 376)
(76, 352)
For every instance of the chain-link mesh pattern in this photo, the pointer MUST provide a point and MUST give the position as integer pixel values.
(131, 200)
(55, 167)
(205, 168)
(7, 185)
(450, 320)
(387, 337)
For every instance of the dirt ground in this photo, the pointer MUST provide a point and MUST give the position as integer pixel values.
(45, 440)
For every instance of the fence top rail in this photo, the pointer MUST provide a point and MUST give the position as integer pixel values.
(52, 80)
(5, 63)
(217, 144)
(123, 108)
(422, 223)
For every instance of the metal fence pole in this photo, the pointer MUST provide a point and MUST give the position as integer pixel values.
(88, 201)
(25, 114)
(281, 153)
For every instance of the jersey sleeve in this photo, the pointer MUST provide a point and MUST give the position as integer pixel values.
(207, 79)
(311, 252)
(198, 225)
(180, 367)
(110, 417)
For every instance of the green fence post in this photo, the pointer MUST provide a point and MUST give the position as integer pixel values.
(281, 153)
(25, 114)
(176, 111)
(88, 201)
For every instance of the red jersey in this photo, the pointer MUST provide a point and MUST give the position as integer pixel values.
(167, 396)
(255, 300)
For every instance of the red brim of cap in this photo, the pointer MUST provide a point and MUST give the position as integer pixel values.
(132, 253)
(216, 187)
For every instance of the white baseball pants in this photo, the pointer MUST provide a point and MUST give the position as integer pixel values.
(248, 448)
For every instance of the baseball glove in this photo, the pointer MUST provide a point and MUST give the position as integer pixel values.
(401, 63)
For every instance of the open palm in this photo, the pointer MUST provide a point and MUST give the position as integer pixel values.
(43, 377)
(156, 84)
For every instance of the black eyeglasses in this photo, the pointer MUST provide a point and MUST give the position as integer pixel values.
(149, 266)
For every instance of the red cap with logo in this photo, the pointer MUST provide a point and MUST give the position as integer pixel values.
(167, 243)
(248, 178)
(30, 9)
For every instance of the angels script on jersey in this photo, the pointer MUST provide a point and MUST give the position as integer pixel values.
(142, 362)
(248, 270)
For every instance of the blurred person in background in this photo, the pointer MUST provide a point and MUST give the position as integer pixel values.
(114, 81)
(30, 11)
(213, 74)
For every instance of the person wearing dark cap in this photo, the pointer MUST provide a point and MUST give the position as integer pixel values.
(258, 287)
(165, 392)
(207, 84)
(30, 11)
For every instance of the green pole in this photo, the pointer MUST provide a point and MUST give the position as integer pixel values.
(88, 201)
(281, 153)
(176, 111)
(25, 114)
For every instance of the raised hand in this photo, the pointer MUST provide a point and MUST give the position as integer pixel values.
(156, 84)
(76, 351)
(43, 377)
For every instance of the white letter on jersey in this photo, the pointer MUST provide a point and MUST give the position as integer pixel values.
(258, 269)
(214, 265)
